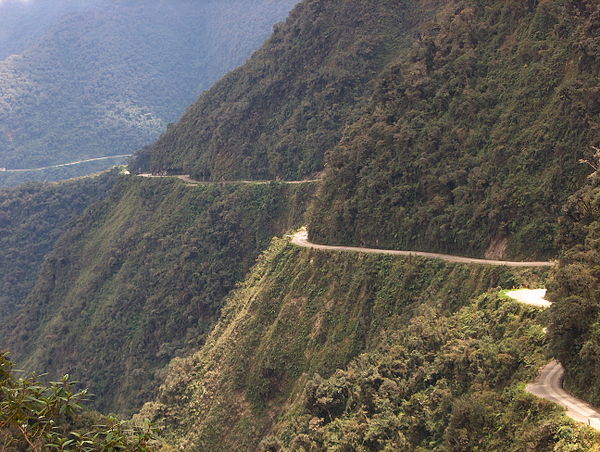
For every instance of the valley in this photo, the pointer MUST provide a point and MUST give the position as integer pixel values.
(341, 244)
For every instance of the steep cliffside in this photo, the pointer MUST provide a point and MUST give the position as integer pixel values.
(32, 218)
(140, 279)
(343, 351)
(471, 141)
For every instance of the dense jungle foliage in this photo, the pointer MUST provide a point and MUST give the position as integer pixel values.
(340, 352)
(32, 217)
(450, 126)
(575, 316)
(279, 113)
(37, 418)
(108, 79)
(471, 141)
(140, 278)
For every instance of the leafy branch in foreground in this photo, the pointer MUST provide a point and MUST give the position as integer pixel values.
(36, 417)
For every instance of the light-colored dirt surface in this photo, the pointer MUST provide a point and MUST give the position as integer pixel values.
(301, 239)
(549, 386)
(79, 162)
(188, 180)
(534, 297)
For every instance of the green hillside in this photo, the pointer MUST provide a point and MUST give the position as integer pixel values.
(471, 141)
(339, 351)
(575, 317)
(448, 126)
(32, 217)
(23, 22)
(108, 79)
(278, 114)
(461, 126)
(140, 278)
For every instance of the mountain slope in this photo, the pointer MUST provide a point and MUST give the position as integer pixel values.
(140, 279)
(575, 314)
(438, 360)
(470, 143)
(23, 22)
(278, 114)
(108, 79)
(448, 126)
(32, 217)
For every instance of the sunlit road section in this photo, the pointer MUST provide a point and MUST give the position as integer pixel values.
(549, 384)
(534, 297)
(301, 239)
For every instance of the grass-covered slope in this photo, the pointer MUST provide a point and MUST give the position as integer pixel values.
(471, 141)
(278, 114)
(140, 278)
(108, 79)
(340, 351)
(32, 217)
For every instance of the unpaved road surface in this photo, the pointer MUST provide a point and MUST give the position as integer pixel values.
(534, 297)
(188, 180)
(79, 162)
(301, 239)
(549, 384)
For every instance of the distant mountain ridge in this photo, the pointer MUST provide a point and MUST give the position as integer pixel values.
(108, 79)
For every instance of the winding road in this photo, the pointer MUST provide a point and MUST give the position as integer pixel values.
(549, 384)
(188, 180)
(79, 162)
(301, 239)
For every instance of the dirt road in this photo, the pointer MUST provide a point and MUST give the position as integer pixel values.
(301, 239)
(79, 162)
(188, 180)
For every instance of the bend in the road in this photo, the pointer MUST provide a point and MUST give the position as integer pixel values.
(549, 386)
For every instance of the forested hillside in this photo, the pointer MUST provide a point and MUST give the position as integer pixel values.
(449, 126)
(32, 217)
(329, 351)
(278, 114)
(471, 141)
(459, 126)
(23, 22)
(108, 79)
(575, 316)
(140, 278)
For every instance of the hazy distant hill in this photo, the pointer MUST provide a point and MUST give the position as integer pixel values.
(109, 78)
(22, 22)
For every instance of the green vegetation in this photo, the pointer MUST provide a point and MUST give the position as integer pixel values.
(24, 22)
(140, 278)
(32, 217)
(12, 179)
(448, 126)
(470, 143)
(575, 316)
(452, 126)
(278, 114)
(37, 418)
(339, 351)
(108, 79)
